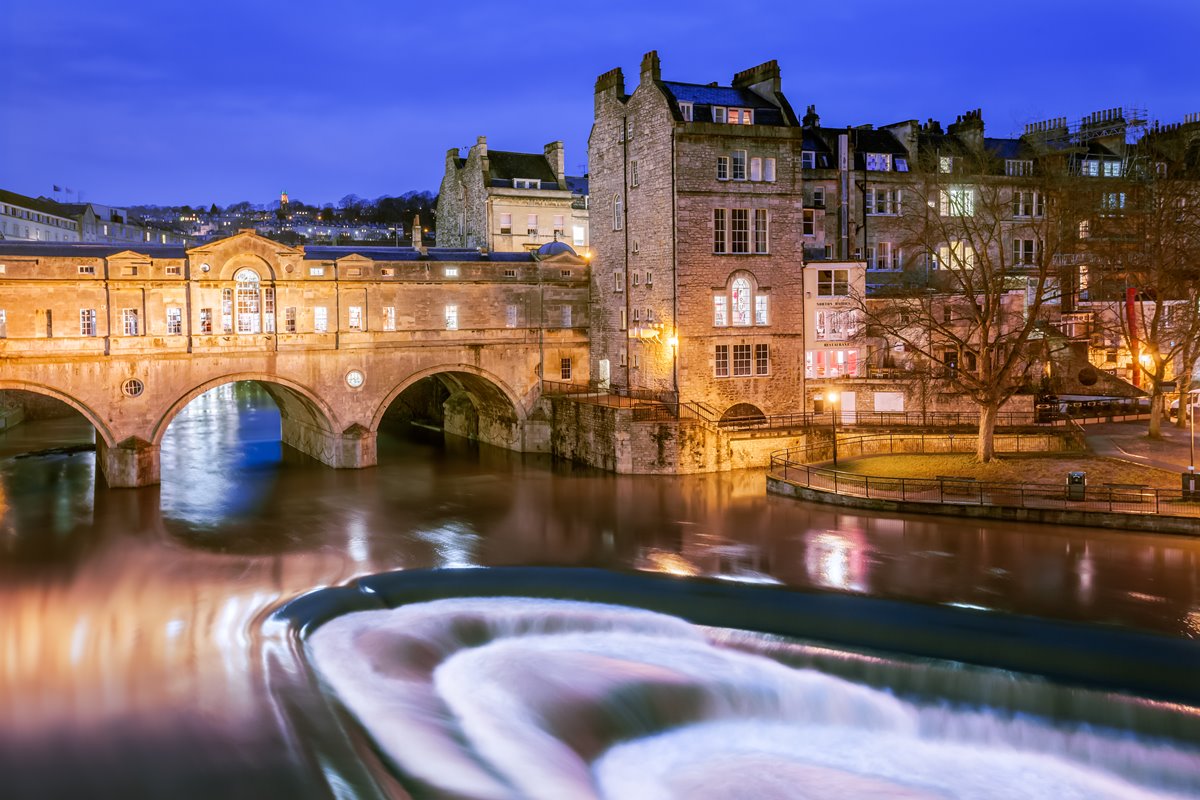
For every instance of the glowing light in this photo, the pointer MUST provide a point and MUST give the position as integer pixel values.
(673, 341)
(833, 397)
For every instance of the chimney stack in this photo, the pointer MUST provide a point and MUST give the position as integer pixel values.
(557, 158)
(651, 68)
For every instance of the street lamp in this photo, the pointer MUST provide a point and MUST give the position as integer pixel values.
(833, 398)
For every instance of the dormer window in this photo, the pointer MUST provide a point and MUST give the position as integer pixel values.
(901, 164)
(719, 114)
(526, 183)
(879, 162)
(686, 110)
(808, 159)
(733, 116)
(946, 165)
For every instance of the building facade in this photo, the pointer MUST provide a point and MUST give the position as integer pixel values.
(35, 220)
(508, 202)
(698, 261)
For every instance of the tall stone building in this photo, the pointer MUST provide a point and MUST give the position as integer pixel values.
(509, 202)
(698, 259)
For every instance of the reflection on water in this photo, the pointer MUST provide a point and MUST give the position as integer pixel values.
(128, 638)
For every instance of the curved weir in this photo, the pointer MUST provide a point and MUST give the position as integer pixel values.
(518, 697)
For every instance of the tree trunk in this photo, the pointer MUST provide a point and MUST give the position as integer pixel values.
(985, 449)
(1185, 387)
(1156, 412)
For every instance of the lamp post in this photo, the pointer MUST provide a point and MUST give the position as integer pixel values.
(833, 399)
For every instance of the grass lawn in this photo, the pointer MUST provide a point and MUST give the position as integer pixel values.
(1051, 469)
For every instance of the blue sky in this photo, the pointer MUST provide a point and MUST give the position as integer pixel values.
(173, 102)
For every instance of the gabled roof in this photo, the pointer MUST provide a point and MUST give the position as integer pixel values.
(388, 254)
(578, 184)
(88, 249)
(704, 97)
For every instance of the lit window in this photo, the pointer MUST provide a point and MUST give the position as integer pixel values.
(320, 319)
(901, 164)
(451, 318)
(721, 361)
(577, 235)
(946, 165)
(1112, 169)
(1089, 167)
(958, 201)
(249, 317)
(174, 322)
(740, 295)
(879, 162)
(86, 269)
(355, 321)
(3, 324)
(450, 272)
(316, 272)
(87, 322)
(720, 311)
(1016, 168)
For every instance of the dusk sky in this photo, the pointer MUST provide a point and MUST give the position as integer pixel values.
(225, 101)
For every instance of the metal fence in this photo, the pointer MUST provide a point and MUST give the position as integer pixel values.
(795, 466)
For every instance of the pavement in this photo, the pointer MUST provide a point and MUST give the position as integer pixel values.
(1127, 441)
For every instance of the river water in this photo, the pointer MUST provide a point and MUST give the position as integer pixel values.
(129, 664)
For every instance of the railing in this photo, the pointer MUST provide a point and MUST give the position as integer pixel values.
(877, 419)
(795, 466)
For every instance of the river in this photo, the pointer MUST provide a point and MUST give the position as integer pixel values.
(130, 621)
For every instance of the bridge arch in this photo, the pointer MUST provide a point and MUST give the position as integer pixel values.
(102, 430)
(297, 403)
(484, 386)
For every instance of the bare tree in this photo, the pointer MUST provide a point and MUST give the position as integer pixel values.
(973, 318)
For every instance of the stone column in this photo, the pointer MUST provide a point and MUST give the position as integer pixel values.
(353, 448)
(129, 463)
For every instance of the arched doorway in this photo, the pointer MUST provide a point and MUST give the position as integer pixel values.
(743, 415)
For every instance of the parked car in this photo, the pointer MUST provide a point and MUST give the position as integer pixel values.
(1193, 402)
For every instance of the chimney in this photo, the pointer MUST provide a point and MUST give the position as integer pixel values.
(651, 68)
(762, 80)
(481, 146)
(811, 118)
(557, 158)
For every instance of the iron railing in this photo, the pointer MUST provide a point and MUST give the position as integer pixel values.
(796, 466)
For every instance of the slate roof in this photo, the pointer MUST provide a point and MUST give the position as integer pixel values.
(578, 184)
(88, 249)
(703, 98)
(505, 166)
(35, 204)
(333, 253)
(1006, 148)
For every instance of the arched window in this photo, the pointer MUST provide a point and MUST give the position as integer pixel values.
(618, 212)
(740, 305)
(249, 301)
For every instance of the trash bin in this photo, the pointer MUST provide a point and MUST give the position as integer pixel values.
(1191, 486)
(1076, 485)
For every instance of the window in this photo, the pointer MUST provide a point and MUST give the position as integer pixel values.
(506, 223)
(1018, 168)
(1112, 201)
(389, 318)
(741, 116)
(945, 164)
(901, 164)
(769, 170)
(739, 230)
(559, 225)
(719, 114)
(1089, 167)
(879, 162)
(649, 315)
(566, 317)
(1085, 228)
(510, 273)
(316, 272)
(531, 225)
(1112, 169)
(86, 269)
(269, 309)
(741, 360)
(722, 168)
(174, 269)
(206, 320)
(762, 359)
(174, 322)
(564, 369)
(720, 311)
(87, 322)
(618, 213)
(760, 230)
(577, 235)
(129, 321)
(883, 255)
(649, 278)
(883, 201)
(526, 183)
(353, 272)
(618, 281)
(320, 319)
(809, 222)
(719, 244)
(633, 173)
(958, 201)
(355, 321)
(833, 283)
(740, 296)
(956, 255)
(760, 309)
(685, 109)
(636, 277)
(834, 326)
(756, 169)
(1026, 251)
(1028, 204)
(808, 159)
(249, 317)
(739, 165)
(3, 324)
(450, 272)
(828, 251)
(289, 319)
(451, 318)
(721, 361)
(510, 316)
(624, 321)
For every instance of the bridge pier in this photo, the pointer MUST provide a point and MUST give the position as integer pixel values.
(353, 448)
(128, 464)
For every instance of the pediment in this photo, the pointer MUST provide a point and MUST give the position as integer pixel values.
(245, 240)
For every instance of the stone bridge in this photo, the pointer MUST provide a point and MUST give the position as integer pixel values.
(128, 337)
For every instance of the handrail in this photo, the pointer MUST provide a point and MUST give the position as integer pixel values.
(797, 466)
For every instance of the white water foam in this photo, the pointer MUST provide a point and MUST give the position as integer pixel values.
(555, 700)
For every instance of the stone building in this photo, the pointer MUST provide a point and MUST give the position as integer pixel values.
(508, 202)
(698, 260)
(34, 219)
